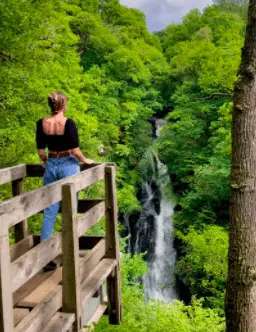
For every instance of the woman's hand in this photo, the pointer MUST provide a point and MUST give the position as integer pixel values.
(79, 155)
(89, 161)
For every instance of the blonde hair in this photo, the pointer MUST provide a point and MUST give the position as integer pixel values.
(57, 102)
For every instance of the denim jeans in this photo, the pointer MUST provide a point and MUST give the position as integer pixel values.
(56, 169)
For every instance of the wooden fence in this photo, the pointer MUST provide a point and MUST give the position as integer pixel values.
(32, 300)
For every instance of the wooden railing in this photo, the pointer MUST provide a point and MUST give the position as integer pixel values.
(86, 261)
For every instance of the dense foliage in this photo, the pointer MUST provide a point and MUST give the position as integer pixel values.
(156, 316)
(204, 54)
(101, 55)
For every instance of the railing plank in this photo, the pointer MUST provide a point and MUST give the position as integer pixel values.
(96, 278)
(21, 229)
(6, 304)
(12, 173)
(112, 247)
(25, 267)
(42, 313)
(71, 302)
(28, 204)
(89, 242)
(96, 316)
(85, 205)
(37, 170)
(61, 322)
(19, 315)
(21, 247)
(90, 218)
(92, 259)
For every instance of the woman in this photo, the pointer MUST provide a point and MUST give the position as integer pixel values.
(59, 135)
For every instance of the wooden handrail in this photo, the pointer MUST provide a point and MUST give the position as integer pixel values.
(12, 173)
(24, 206)
(37, 170)
(34, 260)
(82, 273)
(90, 218)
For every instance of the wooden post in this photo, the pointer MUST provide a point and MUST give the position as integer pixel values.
(71, 302)
(112, 247)
(21, 229)
(6, 302)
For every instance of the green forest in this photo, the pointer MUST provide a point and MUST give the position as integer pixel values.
(117, 75)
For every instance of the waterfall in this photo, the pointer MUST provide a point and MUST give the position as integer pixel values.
(159, 283)
(152, 231)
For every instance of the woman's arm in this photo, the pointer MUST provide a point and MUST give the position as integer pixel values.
(41, 142)
(79, 155)
(42, 155)
(74, 144)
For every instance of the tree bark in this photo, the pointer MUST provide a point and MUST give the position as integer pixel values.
(241, 287)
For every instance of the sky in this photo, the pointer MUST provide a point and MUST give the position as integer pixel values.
(160, 13)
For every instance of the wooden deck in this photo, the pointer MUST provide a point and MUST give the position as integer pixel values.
(86, 283)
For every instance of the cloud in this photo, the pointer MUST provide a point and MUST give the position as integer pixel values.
(160, 13)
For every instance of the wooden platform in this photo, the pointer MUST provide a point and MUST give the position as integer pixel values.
(87, 279)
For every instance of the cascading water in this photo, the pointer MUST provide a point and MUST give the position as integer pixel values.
(159, 283)
(152, 231)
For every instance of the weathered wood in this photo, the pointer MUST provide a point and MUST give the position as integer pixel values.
(25, 267)
(112, 247)
(89, 242)
(21, 247)
(41, 290)
(96, 316)
(96, 278)
(61, 322)
(46, 282)
(19, 315)
(90, 218)
(91, 260)
(23, 206)
(38, 318)
(21, 229)
(71, 302)
(84, 205)
(30, 286)
(12, 173)
(6, 305)
(36, 170)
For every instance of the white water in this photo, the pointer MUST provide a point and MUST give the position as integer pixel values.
(159, 283)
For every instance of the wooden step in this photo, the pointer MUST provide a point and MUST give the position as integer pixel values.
(42, 284)
(61, 322)
(30, 286)
(42, 313)
(40, 292)
(19, 314)
(96, 278)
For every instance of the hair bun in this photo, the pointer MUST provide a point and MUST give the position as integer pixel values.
(57, 102)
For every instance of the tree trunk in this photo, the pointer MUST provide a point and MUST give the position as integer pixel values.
(241, 287)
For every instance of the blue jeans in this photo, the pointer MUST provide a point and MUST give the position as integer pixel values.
(56, 169)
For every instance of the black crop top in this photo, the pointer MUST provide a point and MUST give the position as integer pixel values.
(69, 140)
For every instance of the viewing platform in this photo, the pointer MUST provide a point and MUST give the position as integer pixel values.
(86, 283)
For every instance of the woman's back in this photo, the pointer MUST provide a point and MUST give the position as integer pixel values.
(58, 134)
(54, 125)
